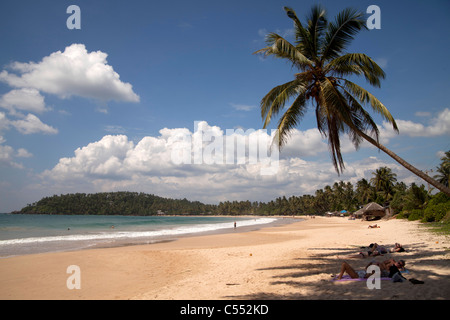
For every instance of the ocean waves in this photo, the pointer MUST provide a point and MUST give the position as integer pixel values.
(115, 234)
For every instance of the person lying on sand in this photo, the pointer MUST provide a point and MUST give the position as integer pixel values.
(379, 250)
(386, 269)
(374, 250)
(373, 226)
(397, 248)
(386, 264)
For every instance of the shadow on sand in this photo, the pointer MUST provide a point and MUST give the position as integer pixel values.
(313, 281)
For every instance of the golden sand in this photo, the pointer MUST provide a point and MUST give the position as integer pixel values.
(293, 261)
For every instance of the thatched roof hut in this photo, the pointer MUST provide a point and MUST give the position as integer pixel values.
(371, 211)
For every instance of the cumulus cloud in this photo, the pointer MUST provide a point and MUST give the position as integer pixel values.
(24, 99)
(28, 124)
(75, 71)
(4, 122)
(101, 158)
(155, 165)
(32, 124)
(304, 143)
(439, 125)
(8, 155)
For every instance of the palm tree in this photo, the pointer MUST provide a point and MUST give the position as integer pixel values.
(416, 197)
(443, 170)
(323, 79)
(383, 181)
(364, 191)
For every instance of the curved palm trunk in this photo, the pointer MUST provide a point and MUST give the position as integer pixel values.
(408, 166)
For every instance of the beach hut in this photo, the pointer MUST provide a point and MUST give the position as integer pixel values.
(371, 211)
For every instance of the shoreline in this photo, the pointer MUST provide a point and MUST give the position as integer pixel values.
(62, 245)
(280, 221)
(291, 261)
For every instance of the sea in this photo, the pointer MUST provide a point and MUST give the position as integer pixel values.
(22, 234)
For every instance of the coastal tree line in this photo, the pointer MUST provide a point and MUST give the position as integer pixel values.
(413, 201)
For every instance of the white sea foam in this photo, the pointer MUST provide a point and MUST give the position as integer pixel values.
(117, 235)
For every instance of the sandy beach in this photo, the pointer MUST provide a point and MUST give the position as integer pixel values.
(293, 261)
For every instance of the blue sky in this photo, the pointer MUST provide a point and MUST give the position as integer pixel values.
(97, 109)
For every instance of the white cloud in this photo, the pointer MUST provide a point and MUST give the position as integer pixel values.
(32, 124)
(304, 144)
(243, 107)
(114, 129)
(440, 125)
(4, 122)
(24, 99)
(101, 158)
(72, 72)
(28, 124)
(8, 155)
(23, 153)
(116, 163)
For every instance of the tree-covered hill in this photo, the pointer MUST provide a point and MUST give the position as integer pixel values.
(114, 203)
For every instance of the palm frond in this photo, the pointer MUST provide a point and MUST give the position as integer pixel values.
(275, 100)
(317, 23)
(300, 31)
(302, 35)
(340, 33)
(335, 109)
(281, 48)
(355, 118)
(366, 97)
(362, 121)
(290, 119)
(356, 63)
(291, 14)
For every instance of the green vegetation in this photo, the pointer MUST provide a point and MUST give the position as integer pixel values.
(416, 204)
(113, 203)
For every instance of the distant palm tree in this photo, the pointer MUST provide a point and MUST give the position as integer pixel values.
(383, 181)
(323, 79)
(364, 191)
(443, 170)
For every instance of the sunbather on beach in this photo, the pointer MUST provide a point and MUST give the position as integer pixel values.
(384, 268)
(374, 250)
(397, 248)
(385, 265)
